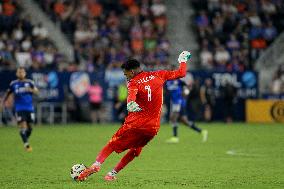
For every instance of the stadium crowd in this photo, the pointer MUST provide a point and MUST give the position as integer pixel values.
(232, 34)
(22, 43)
(104, 33)
(277, 84)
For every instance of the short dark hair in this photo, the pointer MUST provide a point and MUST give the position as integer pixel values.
(130, 64)
(21, 68)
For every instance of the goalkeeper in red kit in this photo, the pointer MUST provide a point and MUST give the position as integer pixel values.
(144, 105)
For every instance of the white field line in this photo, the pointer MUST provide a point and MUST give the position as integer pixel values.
(236, 153)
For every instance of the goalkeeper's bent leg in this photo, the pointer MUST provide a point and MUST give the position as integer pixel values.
(127, 158)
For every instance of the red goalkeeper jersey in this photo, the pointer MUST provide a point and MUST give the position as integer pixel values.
(146, 89)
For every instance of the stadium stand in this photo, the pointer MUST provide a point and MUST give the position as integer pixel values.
(22, 43)
(104, 33)
(232, 34)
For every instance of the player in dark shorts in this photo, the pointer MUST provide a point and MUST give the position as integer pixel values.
(23, 89)
(178, 93)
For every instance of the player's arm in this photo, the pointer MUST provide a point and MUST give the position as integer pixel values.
(185, 88)
(33, 89)
(180, 72)
(132, 106)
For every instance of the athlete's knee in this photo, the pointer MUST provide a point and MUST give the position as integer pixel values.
(174, 117)
(136, 151)
(23, 124)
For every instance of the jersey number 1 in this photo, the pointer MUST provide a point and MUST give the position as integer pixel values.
(148, 88)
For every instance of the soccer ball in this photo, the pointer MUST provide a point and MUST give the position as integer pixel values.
(76, 170)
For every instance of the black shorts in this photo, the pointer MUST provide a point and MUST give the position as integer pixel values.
(95, 106)
(27, 116)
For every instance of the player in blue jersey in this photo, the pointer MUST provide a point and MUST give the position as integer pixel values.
(178, 93)
(23, 89)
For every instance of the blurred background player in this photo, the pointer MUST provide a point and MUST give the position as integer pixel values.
(178, 93)
(144, 104)
(23, 89)
(120, 103)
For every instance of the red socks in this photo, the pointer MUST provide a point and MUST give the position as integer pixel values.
(104, 153)
(125, 160)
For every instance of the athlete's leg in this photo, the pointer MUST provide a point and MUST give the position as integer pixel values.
(127, 158)
(192, 125)
(24, 133)
(30, 121)
(174, 119)
(30, 129)
(104, 153)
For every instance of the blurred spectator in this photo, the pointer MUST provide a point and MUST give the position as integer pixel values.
(207, 97)
(206, 57)
(230, 97)
(277, 85)
(22, 43)
(270, 32)
(95, 93)
(194, 102)
(108, 32)
(221, 57)
(236, 27)
(120, 102)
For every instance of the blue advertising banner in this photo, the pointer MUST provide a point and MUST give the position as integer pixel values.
(52, 85)
(245, 82)
(273, 96)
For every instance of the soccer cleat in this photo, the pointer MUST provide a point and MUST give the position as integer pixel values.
(204, 134)
(173, 140)
(28, 148)
(87, 172)
(110, 177)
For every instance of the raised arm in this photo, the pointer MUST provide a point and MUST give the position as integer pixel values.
(180, 72)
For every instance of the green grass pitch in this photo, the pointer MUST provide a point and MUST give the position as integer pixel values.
(235, 156)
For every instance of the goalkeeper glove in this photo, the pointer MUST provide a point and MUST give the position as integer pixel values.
(133, 107)
(184, 56)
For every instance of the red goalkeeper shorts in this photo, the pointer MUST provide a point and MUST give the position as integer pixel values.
(127, 138)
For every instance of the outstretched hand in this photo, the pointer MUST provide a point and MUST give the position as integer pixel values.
(184, 56)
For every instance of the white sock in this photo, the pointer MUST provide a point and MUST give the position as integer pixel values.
(97, 163)
(26, 144)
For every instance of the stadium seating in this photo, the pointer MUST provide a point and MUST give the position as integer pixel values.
(104, 33)
(232, 34)
(22, 43)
